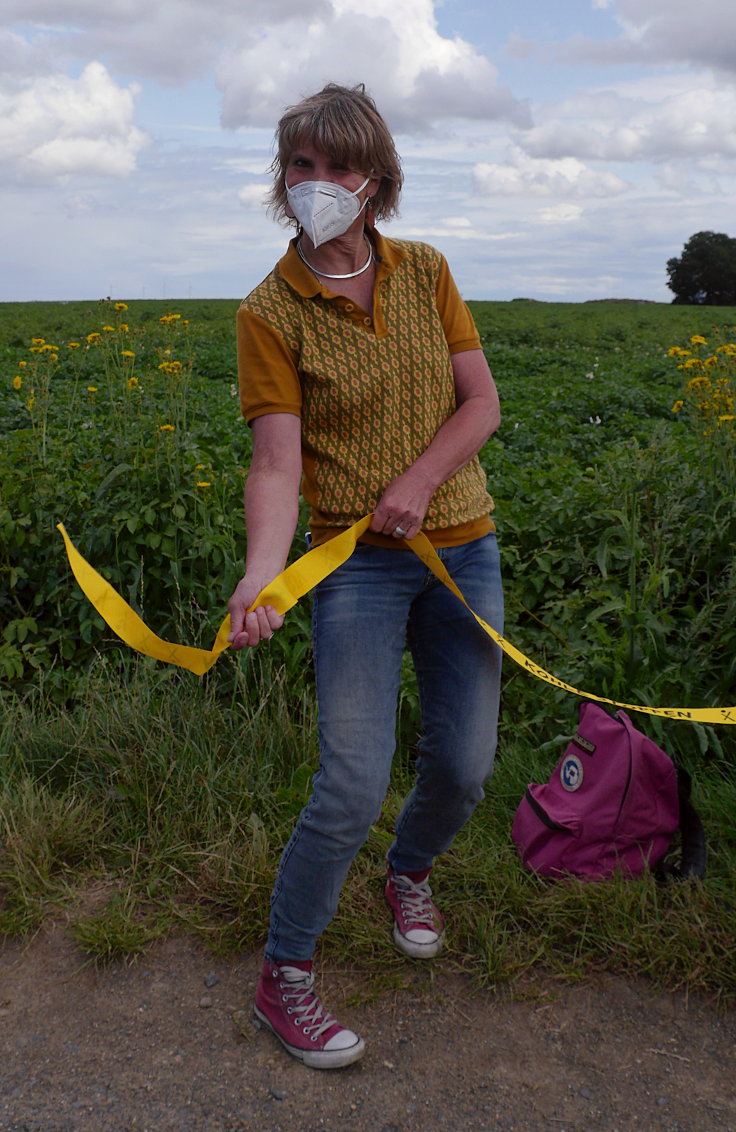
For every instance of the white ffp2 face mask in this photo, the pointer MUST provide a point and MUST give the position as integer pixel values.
(323, 209)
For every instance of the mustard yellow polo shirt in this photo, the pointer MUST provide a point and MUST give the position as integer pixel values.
(371, 391)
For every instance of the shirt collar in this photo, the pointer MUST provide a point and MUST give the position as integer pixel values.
(295, 272)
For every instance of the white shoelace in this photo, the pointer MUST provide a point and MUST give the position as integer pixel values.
(310, 1014)
(415, 900)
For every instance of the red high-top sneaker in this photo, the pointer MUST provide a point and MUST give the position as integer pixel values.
(287, 1004)
(418, 924)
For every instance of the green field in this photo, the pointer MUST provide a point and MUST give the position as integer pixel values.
(171, 795)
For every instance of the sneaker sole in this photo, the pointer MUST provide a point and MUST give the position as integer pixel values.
(418, 950)
(318, 1058)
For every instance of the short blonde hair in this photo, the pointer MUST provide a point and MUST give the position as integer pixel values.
(342, 122)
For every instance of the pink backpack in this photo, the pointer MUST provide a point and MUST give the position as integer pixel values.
(612, 804)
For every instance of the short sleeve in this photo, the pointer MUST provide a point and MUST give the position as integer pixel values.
(268, 378)
(457, 321)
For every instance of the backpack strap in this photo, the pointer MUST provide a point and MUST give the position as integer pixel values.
(693, 851)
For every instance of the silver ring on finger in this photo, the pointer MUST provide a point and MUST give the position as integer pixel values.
(399, 531)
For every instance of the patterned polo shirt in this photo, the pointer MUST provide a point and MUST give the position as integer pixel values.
(371, 391)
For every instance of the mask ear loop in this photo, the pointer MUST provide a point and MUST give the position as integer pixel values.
(370, 215)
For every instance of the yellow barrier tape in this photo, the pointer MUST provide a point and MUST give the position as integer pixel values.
(284, 592)
(127, 624)
(424, 549)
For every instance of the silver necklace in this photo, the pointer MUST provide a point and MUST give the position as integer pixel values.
(326, 274)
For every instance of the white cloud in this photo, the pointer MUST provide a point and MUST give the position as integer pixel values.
(440, 230)
(277, 50)
(672, 31)
(522, 175)
(253, 196)
(560, 214)
(55, 126)
(79, 205)
(692, 122)
(18, 58)
(257, 166)
(417, 76)
(170, 40)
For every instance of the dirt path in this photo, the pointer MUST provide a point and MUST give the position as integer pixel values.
(167, 1045)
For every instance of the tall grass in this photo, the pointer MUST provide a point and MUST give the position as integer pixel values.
(154, 807)
(154, 785)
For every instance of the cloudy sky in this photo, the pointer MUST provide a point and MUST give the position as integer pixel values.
(552, 149)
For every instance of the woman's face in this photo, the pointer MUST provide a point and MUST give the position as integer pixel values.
(309, 164)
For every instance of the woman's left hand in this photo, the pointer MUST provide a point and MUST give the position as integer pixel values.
(403, 505)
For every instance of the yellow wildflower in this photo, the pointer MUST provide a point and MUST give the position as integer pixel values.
(169, 318)
(47, 348)
(698, 340)
(691, 363)
(677, 406)
(22, 363)
(121, 306)
(170, 367)
(677, 352)
(166, 427)
(109, 329)
(127, 354)
(123, 327)
(728, 417)
(35, 349)
(17, 381)
(93, 337)
(204, 483)
(72, 345)
(198, 467)
(91, 388)
(132, 382)
(31, 400)
(38, 341)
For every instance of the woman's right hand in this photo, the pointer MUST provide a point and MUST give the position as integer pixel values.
(250, 628)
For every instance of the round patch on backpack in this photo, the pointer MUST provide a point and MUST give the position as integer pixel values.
(571, 773)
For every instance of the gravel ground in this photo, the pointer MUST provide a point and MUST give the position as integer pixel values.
(167, 1044)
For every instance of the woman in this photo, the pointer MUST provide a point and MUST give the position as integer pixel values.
(363, 380)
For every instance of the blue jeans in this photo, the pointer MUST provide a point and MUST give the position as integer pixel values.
(365, 613)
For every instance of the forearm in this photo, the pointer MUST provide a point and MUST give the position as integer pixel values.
(271, 511)
(456, 443)
(271, 502)
(404, 503)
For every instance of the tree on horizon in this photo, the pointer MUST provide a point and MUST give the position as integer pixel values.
(705, 272)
